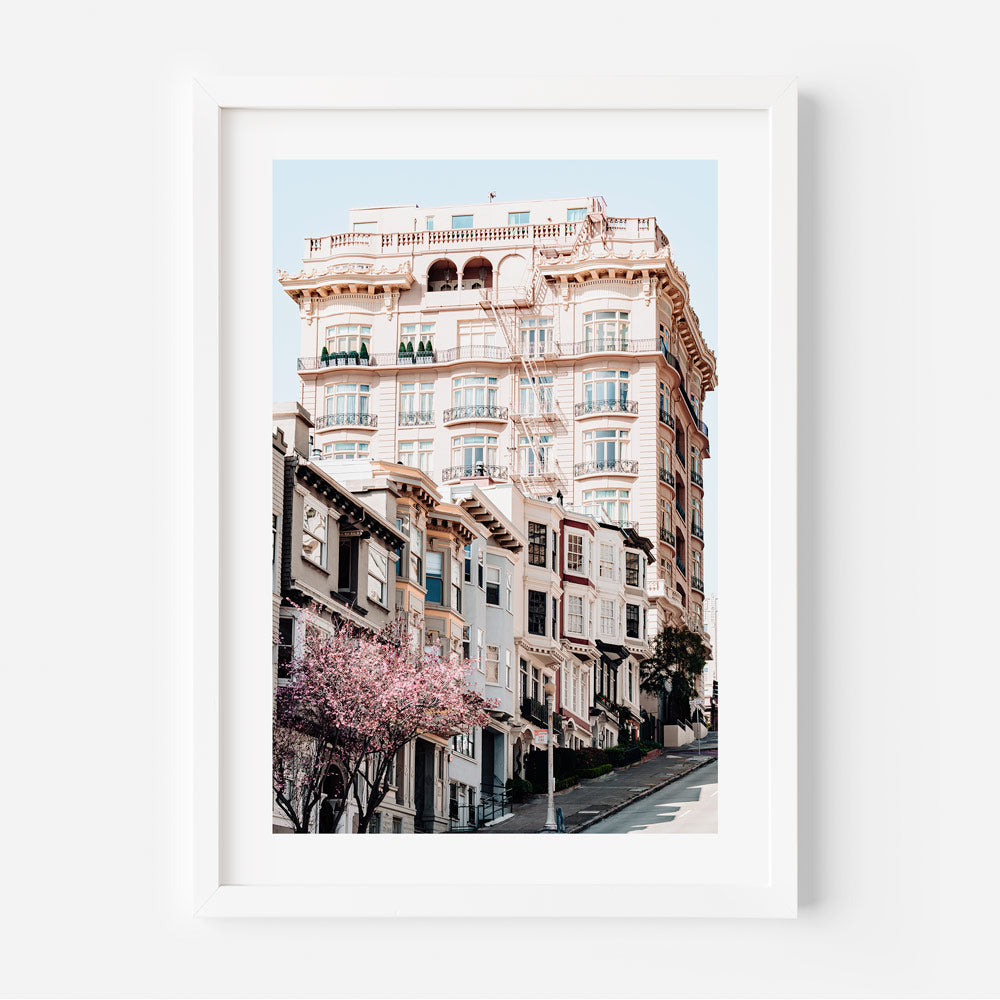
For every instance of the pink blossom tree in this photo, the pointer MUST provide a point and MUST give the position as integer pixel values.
(352, 701)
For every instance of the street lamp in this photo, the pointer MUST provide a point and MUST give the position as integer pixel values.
(550, 815)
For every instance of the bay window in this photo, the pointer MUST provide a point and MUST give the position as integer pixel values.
(475, 395)
(347, 451)
(348, 337)
(606, 447)
(609, 626)
(537, 543)
(607, 390)
(536, 612)
(607, 505)
(416, 454)
(473, 452)
(535, 395)
(575, 554)
(476, 333)
(347, 401)
(433, 583)
(314, 533)
(533, 454)
(378, 574)
(606, 330)
(493, 586)
(536, 336)
(574, 615)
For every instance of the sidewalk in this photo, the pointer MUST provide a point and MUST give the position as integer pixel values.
(594, 798)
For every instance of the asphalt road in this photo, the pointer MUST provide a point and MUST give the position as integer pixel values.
(688, 805)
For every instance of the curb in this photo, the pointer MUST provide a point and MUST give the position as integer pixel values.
(641, 795)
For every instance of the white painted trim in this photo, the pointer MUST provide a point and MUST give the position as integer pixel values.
(775, 95)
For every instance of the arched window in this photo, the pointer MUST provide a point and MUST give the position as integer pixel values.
(442, 276)
(477, 273)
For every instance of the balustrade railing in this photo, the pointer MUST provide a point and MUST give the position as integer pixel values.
(339, 360)
(613, 345)
(346, 420)
(628, 467)
(589, 406)
(475, 412)
(477, 471)
(474, 352)
(415, 418)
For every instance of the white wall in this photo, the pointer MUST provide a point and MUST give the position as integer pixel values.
(897, 359)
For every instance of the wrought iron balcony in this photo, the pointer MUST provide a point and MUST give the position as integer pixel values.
(698, 584)
(696, 479)
(698, 531)
(479, 412)
(336, 360)
(613, 345)
(346, 420)
(666, 476)
(532, 708)
(680, 455)
(680, 510)
(628, 467)
(415, 418)
(666, 535)
(591, 406)
(477, 471)
(680, 565)
(666, 418)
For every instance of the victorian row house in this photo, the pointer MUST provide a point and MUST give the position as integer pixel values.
(517, 390)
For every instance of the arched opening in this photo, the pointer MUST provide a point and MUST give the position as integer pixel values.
(477, 273)
(512, 272)
(442, 276)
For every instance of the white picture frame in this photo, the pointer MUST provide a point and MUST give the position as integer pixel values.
(774, 895)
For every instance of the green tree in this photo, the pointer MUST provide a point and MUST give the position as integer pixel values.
(672, 668)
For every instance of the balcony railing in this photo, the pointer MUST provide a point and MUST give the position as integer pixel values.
(415, 418)
(628, 467)
(605, 406)
(696, 479)
(666, 418)
(479, 412)
(474, 352)
(666, 476)
(336, 361)
(613, 345)
(666, 535)
(681, 457)
(409, 358)
(697, 583)
(477, 471)
(680, 565)
(346, 420)
(532, 708)
(493, 804)
(698, 531)
(680, 510)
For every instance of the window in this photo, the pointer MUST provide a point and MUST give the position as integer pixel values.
(493, 586)
(428, 222)
(492, 664)
(473, 452)
(574, 615)
(608, 625)
(365, 227)
(376, 826)
(416, 402)
(517, 218)
(415, 338)
(346, 450)
(345, 402)
(607, 505)
(481, 561)
(533, 454)
(605, 390)
(461, 222)
(378, 568)
(314, 528)
(433, 579)
(607, 561)
(274, 546)
(536, 612)
(575, 214)
(537, 542)
(416, 554)
(555, 551)
(466, 642)
(524, 677)
(555, 618)
(456, 583)
(535, 395)
(632, 621)
(477, 333)
(416, 454)
(632, 569)
(348, 337)
(696, 514)
(465, 743)
(508, 670)
(536, 335)
(397, 824)
(475, 395)
(510, 593)
(467, 576)
(605, 331)
(606, 447)
(575, 562)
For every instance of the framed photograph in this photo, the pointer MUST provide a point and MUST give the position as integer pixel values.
(526, 353)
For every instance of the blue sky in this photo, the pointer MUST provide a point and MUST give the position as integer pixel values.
(312, 198)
